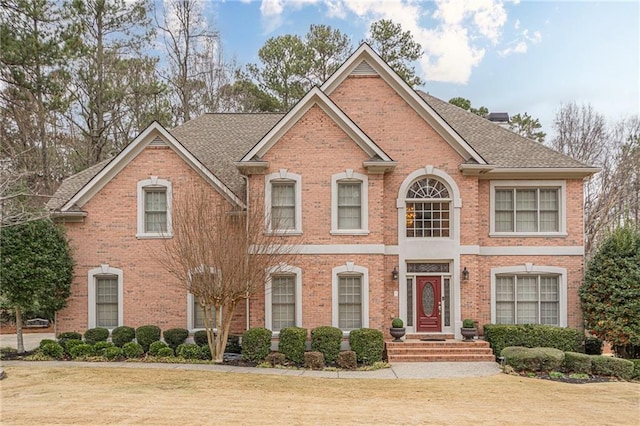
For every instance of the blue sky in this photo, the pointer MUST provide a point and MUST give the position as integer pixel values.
(509, 56)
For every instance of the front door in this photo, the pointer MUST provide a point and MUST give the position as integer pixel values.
(428, 304)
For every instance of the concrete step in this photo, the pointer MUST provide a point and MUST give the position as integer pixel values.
(438, 351)
(442, 358)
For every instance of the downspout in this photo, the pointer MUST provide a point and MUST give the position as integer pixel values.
(246, 203)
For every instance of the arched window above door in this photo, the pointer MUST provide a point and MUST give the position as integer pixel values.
(428, 209)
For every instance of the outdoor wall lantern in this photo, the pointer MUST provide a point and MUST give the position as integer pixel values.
(465, 274)
(394, 274)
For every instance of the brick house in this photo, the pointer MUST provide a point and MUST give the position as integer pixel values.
(407, 205)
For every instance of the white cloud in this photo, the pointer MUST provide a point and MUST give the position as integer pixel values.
(454, 41)
(517, 24)
(516, 47)
(521, 44)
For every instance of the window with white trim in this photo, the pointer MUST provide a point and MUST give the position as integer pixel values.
(428, 209)
(523, 208)
(283, 208)
(349, 203)
(195, 314)
(105, 297)
(350, 307)
(283, 298)
(529, 294)
(154, 208)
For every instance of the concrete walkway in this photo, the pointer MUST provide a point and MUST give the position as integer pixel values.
(405, 370)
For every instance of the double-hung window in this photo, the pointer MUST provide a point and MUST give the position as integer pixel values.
(350, 293)
(532, 208)
(105, 297)
(283, 208)
(154, 208)
(349, 203)
(283, 298)
(196, 318)
(527, 299)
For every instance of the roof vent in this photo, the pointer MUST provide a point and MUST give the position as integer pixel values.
(158, 141)
(363, 68)
(499, 118)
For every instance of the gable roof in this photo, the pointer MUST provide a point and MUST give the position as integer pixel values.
(95, 178)
(316, 97)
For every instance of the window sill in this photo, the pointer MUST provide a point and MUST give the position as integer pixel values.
(349, 232)
(285, 232)
(527, 234)
(153, 236)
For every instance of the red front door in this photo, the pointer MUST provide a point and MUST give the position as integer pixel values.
(428, 304)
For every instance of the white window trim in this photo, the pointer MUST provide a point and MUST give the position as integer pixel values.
(151, 183)
(531, 269)
(190, 314)
(268, 309)
(349, 176)
(509, 184)
(103, 270)
(283, 175)
(349, 269)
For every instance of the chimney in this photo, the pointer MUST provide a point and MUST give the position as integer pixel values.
(499, 118)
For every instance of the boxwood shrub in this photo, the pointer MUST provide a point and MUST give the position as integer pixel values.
(636, 369)
(133, 350)
(175, 337)
(68, 335)
(52, 349)
(99, 347)
(593, 346)
(146, 335)
(533, 359)
(233, 344)
(368, 344)
(610, 366)
(347, 360)
(189, 351)
(165, 352)
(155, 347)
(575, 362)
(256, 344)
(292, 343)
(81, 351)
(200, 337)
(97, 334)
(314, 360)
(69, 344)
(123, 334)
(501, 336)
(114, 353)
(205, 352)
(326, 340)
(45, 342)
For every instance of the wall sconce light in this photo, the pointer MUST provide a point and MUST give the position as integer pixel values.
(465, 274)
(394, 274)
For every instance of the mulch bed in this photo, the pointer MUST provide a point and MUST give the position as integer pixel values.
(566, 379)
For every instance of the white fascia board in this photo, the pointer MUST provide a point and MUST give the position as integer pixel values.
(130, 152)
(315, 97)
(539, 172)
(365, 52)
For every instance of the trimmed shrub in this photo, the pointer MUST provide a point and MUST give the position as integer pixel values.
(155, 347)
(69, 335)
(97, 334)
(256, 344)
(133, 350)
(292, 343)
(113, 354)
(501, 336)
(575, 362)
(347, 360)
(200, 337)
(368, 344)
(165, 352)
(609, 366)
(46, 342)
(636, 369)
(533, 359)
(52, 349)
(314, 360)
(593, 346)
(123, 334)
(205, 353)
(233, 344)
(326, 340)
(189, 351)
(276, 358)
(146, 335)
(175, 336)
(99, 347)
(81, 351)
(69, 344)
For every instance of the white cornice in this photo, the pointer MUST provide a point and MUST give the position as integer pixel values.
(536, 173)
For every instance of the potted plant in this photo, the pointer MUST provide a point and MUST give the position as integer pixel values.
(468, 329)
(397, 329)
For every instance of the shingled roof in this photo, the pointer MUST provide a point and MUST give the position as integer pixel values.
(499, 147)
(74, 183)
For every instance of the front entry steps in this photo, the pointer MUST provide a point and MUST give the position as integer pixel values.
(431, 350)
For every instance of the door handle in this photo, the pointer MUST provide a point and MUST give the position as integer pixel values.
(439, 308)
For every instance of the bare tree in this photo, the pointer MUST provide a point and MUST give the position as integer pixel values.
(221, 255)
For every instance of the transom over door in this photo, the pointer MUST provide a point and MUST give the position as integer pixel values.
(429, 307)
